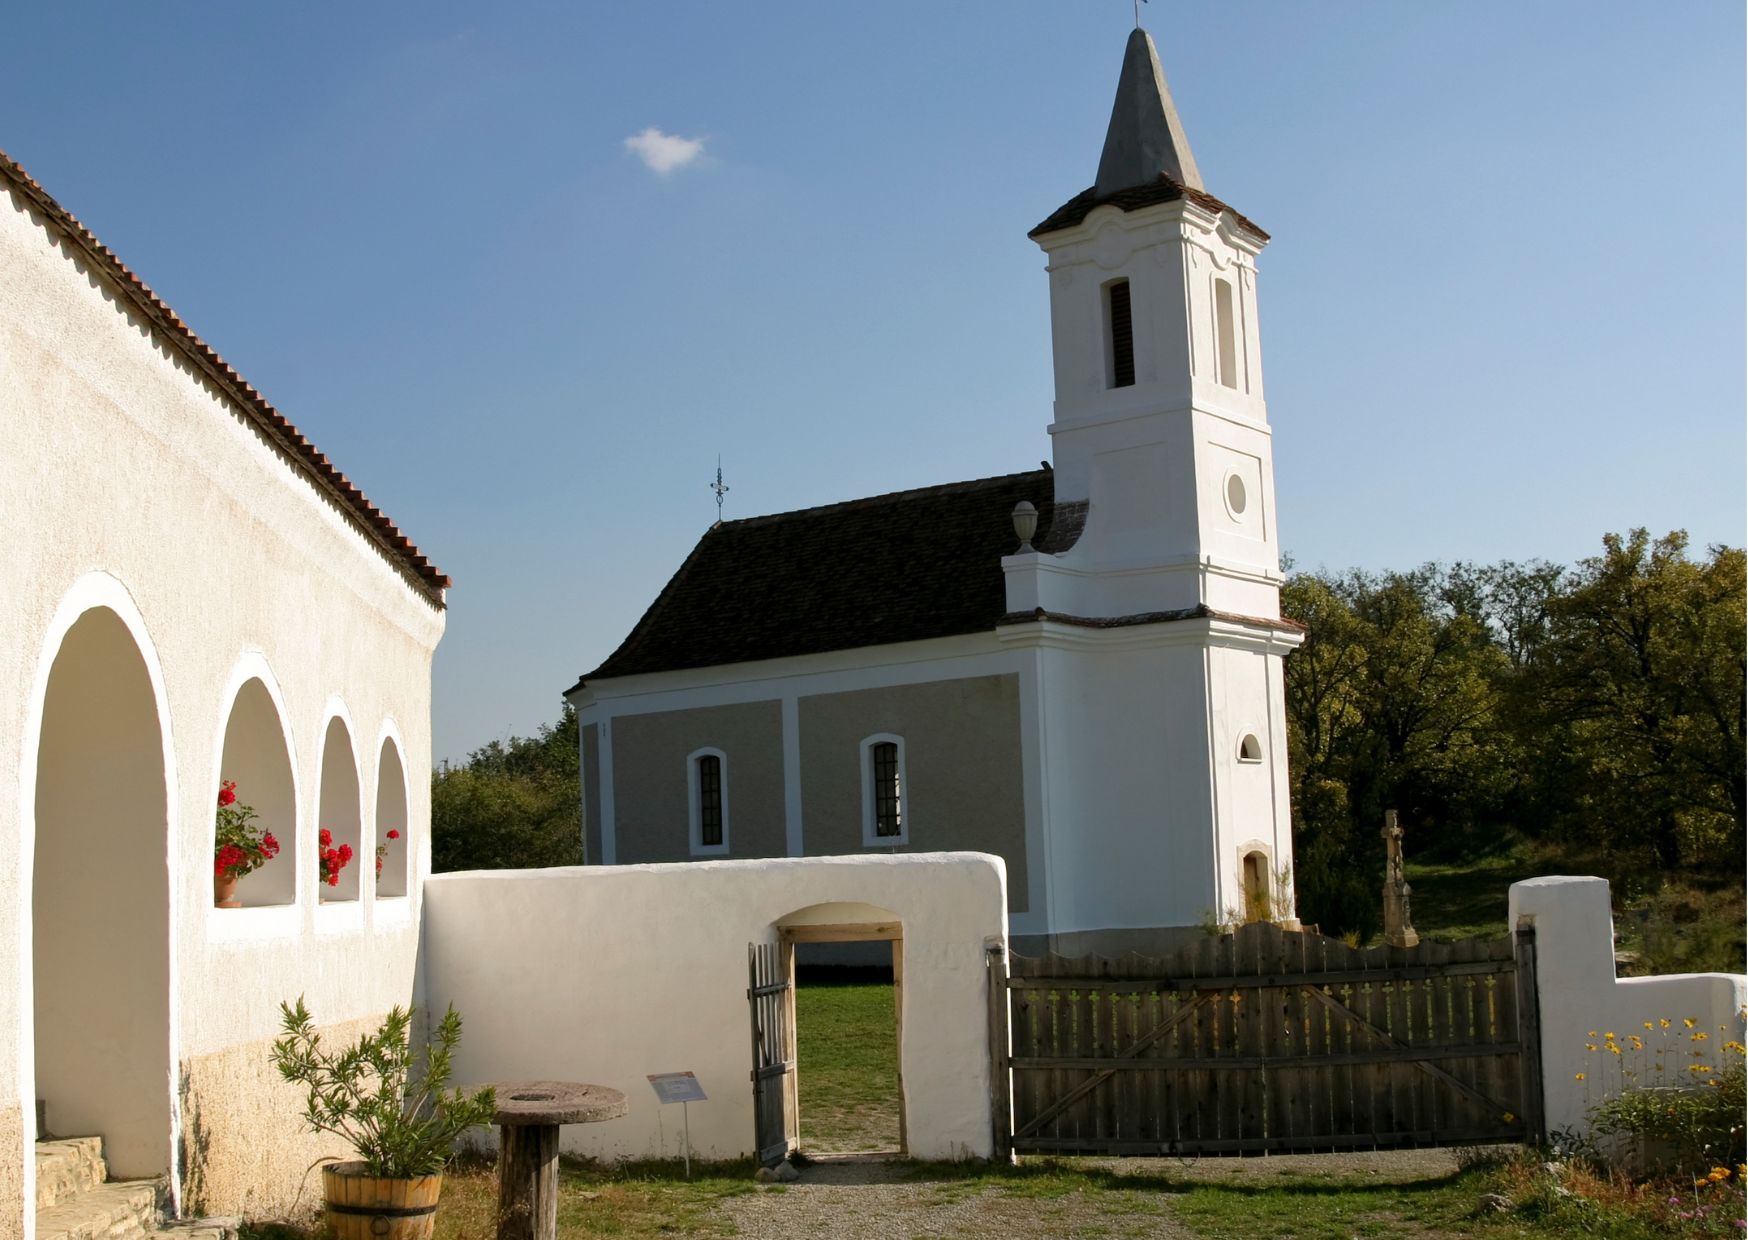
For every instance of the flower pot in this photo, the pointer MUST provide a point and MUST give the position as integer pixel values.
(224, 891)
(368, 1207)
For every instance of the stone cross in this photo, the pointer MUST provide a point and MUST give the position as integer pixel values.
(1398, 931)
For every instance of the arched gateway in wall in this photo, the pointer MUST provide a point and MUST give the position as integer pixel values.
(100, 898)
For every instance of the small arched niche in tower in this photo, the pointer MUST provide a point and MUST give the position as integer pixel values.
(1249, 748)
(1256, 887)
(1226, 325)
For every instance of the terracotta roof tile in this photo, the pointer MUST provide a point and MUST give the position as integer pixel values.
(373, 523)
(1165, 189)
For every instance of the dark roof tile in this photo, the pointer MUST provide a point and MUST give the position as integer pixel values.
(892, 568)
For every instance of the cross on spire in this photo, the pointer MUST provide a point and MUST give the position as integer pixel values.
(1138, 4)
(720, 487)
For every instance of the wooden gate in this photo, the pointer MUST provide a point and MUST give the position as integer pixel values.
(1268, 1041)
(771, 982)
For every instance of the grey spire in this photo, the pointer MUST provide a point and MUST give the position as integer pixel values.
(1145, 138)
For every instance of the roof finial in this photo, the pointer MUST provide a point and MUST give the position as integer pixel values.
(720, 487)
(1138, 4)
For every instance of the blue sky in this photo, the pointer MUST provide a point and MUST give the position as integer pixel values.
(1503, 312)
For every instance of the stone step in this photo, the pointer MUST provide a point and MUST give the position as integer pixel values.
(200, 1229)
(64, 1169)
(118, 1210)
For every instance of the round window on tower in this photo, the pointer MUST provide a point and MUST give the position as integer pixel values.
(1236, 499)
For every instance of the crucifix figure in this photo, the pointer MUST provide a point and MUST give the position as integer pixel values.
(1398, 931)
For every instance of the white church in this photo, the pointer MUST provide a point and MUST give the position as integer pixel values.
(1077, 668)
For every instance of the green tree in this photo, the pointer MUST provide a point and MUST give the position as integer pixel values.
(1641, 683)
(511, 805)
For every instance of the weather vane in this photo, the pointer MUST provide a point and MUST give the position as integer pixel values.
(1138, 4)
(720, 487)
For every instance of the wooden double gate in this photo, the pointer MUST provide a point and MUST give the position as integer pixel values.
(1267, 1040)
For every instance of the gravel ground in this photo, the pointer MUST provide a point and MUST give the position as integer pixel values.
(864, 1200)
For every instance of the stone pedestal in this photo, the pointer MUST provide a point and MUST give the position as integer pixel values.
(1398, 930)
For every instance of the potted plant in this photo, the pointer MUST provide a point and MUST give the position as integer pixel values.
(382, 849)
(240, 846)
(393, 1112)
(331, 860)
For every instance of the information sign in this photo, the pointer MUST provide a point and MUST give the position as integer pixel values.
(676, 1087)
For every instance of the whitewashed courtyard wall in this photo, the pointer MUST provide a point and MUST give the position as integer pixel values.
(141, 501)
(606, 974)
(1582, 1001)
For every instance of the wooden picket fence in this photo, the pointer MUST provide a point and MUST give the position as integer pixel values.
(1267, 1040)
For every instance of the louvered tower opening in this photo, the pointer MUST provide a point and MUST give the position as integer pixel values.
(1120, 334)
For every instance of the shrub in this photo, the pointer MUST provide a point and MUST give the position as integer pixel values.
(1698, 1123)
(397, 1118)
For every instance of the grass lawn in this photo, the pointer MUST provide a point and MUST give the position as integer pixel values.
(846, 1046)
(628, 1199)
(1467, 898)
(1230, 1200)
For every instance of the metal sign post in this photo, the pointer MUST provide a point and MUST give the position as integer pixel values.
(683, 1088)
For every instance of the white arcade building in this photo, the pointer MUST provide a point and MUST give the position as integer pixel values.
(1096, 698)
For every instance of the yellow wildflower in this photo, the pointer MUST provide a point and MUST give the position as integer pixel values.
(1689, 1021)
(1664, 1021)
(1609, 1035)
(1510, 1118)
(1637, 1044)
(1614, 1048)
(1647, 1024)
(1590, 1046)
(1700, 1036)
(1578, 1076)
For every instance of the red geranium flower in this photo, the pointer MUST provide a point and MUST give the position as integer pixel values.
(228, 792)
(394, 835)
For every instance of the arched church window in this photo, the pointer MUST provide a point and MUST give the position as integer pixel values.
(707, 783)
(1119, 336)
(885, 813)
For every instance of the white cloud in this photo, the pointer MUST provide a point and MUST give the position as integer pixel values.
(664, 152)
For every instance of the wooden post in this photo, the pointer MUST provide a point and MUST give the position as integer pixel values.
(528, 1182)
(1529, 1033)
(1001, 1112)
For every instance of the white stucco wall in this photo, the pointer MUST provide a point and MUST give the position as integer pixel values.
(1155, 457)
(607, 974)
(1581, 1001)
(136, 487)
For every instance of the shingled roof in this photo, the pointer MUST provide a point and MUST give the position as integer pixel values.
(370, 520)
(869, 572)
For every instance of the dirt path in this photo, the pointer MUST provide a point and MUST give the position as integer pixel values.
(893, 1201)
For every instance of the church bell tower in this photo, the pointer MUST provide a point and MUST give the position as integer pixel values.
(1156, 599)
(1160, 423)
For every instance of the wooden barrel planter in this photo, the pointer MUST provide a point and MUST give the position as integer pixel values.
(368, 1207)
